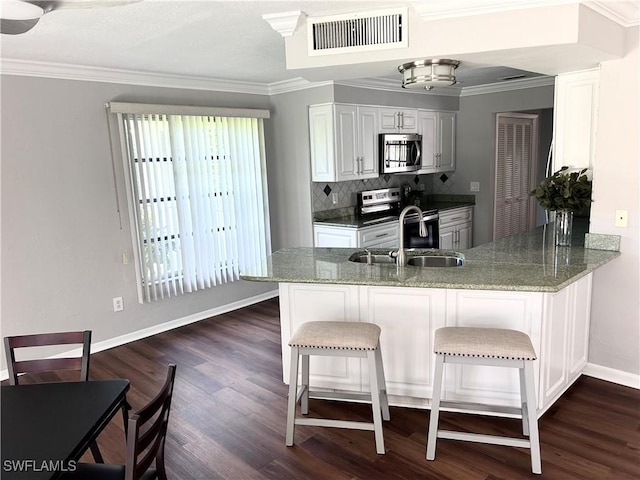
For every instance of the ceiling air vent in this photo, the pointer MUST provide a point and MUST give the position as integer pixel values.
(358, 32)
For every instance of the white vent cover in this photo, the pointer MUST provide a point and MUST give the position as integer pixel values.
(358, 32)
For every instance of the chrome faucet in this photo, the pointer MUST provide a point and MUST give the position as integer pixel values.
(401, 255)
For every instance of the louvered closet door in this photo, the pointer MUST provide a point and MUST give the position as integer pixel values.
(516, 159)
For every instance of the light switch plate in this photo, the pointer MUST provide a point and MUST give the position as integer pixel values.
(475, 187)
(621, 218)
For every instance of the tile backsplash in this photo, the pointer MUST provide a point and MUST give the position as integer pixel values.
(443, 183)
(323, 192)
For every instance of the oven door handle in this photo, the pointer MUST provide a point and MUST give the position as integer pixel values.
(429, 218)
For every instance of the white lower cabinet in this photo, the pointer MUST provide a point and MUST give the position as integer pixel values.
(331, 236)
(456, 228)
(520, 311)
(565, 341)
(408, 317)
(384, 235)
(300, 303)
(557, 323)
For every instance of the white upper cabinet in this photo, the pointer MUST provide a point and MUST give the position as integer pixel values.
(343, 142)
(575, 112)
(397, 120)
(438, 130)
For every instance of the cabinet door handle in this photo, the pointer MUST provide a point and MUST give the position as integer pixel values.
(401, 115)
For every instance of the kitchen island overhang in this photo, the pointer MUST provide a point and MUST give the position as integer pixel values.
(522, 282)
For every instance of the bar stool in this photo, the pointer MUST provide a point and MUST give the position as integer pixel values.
(346, 339)
(493, 347)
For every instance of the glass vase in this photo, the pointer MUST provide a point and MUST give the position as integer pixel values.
(563, 227)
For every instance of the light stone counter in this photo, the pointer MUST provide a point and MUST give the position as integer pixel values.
(526, 262)
(521, 283)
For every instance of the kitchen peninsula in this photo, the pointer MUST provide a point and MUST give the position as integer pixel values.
(523, 282)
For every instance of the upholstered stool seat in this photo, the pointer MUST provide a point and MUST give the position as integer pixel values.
(346, 339)
(492, 347)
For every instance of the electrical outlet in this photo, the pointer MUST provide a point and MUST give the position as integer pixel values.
(334, 198)
(125, 258)
(474, 187)
(118, 304)
(621, 218)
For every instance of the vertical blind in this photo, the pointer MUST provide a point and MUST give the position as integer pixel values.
(198, 197)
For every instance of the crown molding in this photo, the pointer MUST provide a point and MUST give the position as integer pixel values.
(129, 77)
(508, 86)
(625, 13)
(391, 85)
(284, 23)
(294, 85)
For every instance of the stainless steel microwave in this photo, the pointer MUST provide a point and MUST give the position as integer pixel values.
(400, 152)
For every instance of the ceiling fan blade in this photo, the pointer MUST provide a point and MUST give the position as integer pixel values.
(16, 27)
(49, 5)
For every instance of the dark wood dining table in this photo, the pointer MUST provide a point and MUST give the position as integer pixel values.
(47, 427)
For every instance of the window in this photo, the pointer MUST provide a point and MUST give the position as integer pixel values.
(198, 197)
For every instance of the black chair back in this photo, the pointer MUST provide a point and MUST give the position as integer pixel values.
(48, 364)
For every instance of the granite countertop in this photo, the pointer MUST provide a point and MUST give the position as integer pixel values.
(524, 262)
(351, 220)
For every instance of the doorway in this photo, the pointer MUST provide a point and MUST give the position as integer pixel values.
(516, 164)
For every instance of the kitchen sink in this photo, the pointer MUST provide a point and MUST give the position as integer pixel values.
(435, 261)
(432, 260)
(361, 257)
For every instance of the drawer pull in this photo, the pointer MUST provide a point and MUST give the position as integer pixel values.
(380, 235)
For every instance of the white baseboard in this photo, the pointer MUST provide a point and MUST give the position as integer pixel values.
(163, 327)
(180, 322)
(611, 375)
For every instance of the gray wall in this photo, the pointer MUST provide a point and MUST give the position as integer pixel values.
(615, 306)
(290, 172)
(475, 145)
(62, 241)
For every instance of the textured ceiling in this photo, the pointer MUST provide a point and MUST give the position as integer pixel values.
(208, 39)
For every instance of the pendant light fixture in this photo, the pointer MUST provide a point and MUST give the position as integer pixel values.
(428, 73)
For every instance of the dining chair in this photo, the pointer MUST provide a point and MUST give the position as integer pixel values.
(15, 368)
(48, 364)
(145, 442)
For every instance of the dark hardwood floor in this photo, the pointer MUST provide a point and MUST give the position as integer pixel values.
(229, 413)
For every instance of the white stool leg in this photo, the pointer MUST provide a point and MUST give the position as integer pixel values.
(293, 393)
(375, 402)
(435, 408)
(523, 402)
(304, 404)
(382, 385)
(536, 465)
